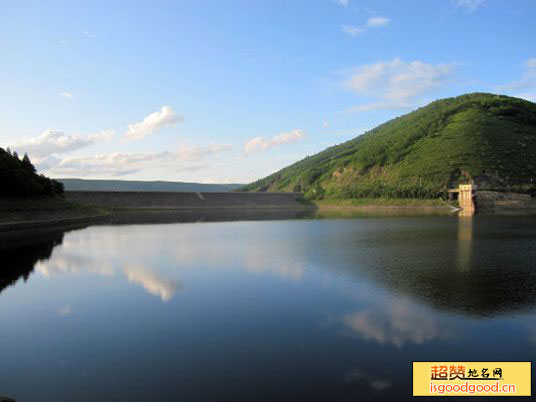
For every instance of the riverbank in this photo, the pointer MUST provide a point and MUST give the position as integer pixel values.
(367, 207)
(31, 213)
(382, 203)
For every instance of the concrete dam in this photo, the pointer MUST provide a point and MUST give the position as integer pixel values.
(185, 200)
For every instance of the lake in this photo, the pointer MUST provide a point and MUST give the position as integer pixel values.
(261, 310)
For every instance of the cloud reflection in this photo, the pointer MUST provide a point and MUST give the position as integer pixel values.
(396, 324)
(152, 283)
(260, 262)
(357, 376)
(65, 310)
(64, 263)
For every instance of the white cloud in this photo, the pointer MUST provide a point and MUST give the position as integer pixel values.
(166, 116)
(525, 87)
(369, 107)
(396, 83)
(56, 142)
(87, 33)
(65, 94)
(531, 65)
(121, 164)
(374, 22)
(352, 30)
(469, 5)
(261, 143)
(343, 3)
(197, 152)
(325, 124)
(530, 96)
(113, 164)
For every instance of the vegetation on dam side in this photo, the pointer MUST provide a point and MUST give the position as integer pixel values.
(381, 202)
(489, 139)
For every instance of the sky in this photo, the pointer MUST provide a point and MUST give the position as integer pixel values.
(229, 91)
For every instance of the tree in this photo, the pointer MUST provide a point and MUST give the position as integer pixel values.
(27, 164)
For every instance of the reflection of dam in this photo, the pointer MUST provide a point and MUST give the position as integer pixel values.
(465, 238)
(206, 215)
(138, 199)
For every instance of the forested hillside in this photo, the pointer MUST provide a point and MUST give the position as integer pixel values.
(485, 138)
(18, 177)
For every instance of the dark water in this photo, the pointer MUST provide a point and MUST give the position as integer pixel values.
(297, 310)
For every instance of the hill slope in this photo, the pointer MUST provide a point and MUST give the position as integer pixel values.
(127, 185)
(482, 137)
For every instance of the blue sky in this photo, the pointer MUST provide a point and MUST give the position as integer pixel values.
(233, 90)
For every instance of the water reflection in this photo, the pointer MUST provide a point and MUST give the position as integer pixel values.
(376, 383)
(262, 311)
(20, 252)
(196, 216)
(471, 265)
(151, 282)
(465, 238)
(397, 323)
(65, 262)
(467, 264)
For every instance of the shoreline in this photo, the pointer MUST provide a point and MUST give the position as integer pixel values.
(46, 222)
(382, 204)
(34, 213)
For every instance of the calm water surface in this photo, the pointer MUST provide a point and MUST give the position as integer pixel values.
(298, 310)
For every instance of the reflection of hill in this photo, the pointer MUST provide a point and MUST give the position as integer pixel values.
(477, 266)
(20, 251)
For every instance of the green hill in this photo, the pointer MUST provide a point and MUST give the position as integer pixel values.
(486, 138)
(130, 185)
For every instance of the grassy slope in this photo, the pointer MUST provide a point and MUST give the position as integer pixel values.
(488, 138)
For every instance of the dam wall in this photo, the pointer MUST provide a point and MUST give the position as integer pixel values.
(496, 201)
(471, 199)
(185, 200)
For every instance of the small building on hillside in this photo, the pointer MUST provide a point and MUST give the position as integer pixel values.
(465, 194)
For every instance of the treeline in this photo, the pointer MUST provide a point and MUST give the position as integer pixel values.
(18, 177)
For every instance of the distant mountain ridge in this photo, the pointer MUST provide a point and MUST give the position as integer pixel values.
(146, 186)
(485, 138)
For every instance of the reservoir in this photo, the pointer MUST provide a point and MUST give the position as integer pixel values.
(300, 309)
